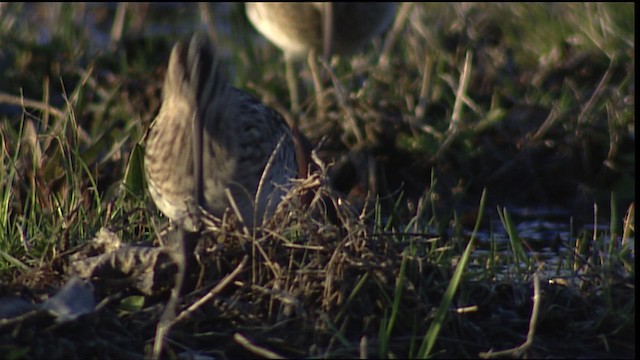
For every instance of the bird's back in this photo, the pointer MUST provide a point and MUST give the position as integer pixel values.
(240, 136)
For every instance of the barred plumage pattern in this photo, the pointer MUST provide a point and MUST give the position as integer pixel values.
(241, 135)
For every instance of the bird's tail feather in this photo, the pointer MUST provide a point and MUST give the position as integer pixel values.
(195, 75)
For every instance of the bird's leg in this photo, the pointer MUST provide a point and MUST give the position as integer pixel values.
(327, 30)
(181, 251)
(317, 84)
(327, 48)
(292, 83)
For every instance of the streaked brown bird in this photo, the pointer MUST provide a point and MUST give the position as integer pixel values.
(324, 27)
(246, 146)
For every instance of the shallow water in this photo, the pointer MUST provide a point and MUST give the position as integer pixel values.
(550, 238)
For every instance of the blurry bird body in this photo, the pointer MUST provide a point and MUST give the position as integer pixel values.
(297, 28)
(246, 146)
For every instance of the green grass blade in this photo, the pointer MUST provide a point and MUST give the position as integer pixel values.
(519, 253)
(386, 338)
(432, 333)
